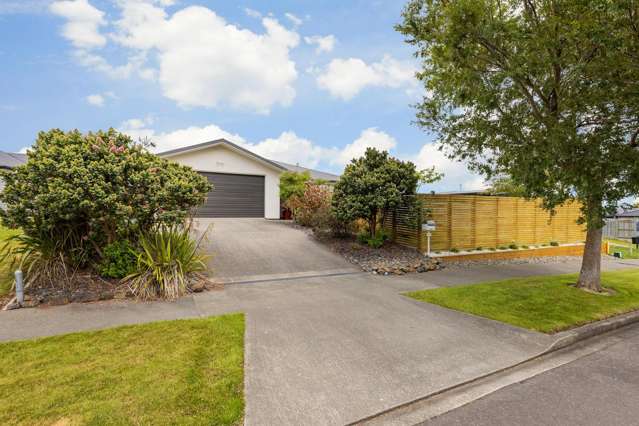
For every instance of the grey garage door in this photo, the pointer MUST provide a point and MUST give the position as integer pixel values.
(234, 196)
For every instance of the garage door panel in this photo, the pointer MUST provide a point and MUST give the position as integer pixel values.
(234, 196)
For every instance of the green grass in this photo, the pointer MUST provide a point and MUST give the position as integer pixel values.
(547, 304)
(186, 372)
(625, 250)
(6, 280)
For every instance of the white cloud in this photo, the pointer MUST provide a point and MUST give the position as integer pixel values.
(99, 99)
(252, 12)
(140, 129)
(290, 148)
(369, 138)
(202, 61)
(456, 174)
(294, 19)
(95, 100)
(83, 24)
(324, 43)
(345, 78)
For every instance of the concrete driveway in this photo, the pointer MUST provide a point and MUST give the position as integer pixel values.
(257, 249)
(331, 350)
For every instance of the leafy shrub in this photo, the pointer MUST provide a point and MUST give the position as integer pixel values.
(513, 246)
(503, 247)
(78, 193)
(454, 250)
(313, 207)
(169, 262)
(554, 243)
(492, 249)
(119, 259)
(480, 248)
(375, 242)
(374, 183)
(525, 247)
(42, 258)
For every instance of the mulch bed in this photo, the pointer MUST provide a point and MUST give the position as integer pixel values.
(85, 288)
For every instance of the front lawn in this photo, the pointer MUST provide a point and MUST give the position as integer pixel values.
(547, 304)
(172, 372)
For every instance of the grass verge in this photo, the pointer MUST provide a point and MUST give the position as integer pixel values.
(546, 303)
(186, 372)
(628, 250)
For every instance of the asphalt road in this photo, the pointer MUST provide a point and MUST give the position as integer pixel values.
(600, 389)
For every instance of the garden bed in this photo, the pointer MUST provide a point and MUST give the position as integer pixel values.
(84, 288)
(390, 259)
(510, 253)
(171, 372)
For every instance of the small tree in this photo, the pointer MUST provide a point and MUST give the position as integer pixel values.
(542, 91)
(91, 189)
(375, 183)
(293, 184)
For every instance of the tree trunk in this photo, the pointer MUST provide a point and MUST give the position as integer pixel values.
(372, 225)
(590, 274)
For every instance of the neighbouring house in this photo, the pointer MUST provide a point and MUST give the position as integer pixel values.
(246, 184)
(623, 224)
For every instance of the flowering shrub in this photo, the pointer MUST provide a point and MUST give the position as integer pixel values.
(86, 191)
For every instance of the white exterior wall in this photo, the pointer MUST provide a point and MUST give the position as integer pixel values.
(221, 159)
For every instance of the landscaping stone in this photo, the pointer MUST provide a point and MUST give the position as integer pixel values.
(390, 259)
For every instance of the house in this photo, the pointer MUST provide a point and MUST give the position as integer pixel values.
(246, 184)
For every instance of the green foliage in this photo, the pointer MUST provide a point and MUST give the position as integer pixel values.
(513, 246)
(505, 186)
(119, 259)
(525, 247)
(293, 184)
(168, 263)
(554, 243)
(543, 92)
(480, 248)
(77, 193)
(503, 248)
(454, 250)
(373, 184)
(43, 258)
(381, 236)
(184, 372)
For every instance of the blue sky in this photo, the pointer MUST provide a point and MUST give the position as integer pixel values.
(306, 82)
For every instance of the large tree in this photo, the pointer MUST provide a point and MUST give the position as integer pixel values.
(544, 91)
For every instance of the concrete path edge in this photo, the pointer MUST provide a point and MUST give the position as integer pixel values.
(565, 339)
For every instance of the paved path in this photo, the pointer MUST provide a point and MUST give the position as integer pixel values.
(331, 350)
(250, 249)
(600, 389)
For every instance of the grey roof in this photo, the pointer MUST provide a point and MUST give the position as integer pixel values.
(315, 174)
(218, 142)
(628, 213)
(9, 160)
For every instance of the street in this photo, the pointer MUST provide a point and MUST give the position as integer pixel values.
(599, 389)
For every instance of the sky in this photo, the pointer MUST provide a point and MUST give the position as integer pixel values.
(306, 82)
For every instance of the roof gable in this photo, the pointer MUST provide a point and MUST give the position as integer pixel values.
(227, 144)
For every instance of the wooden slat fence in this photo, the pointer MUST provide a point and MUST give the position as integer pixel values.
(469, 222)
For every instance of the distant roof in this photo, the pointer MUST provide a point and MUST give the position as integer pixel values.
(628, 213)
(9, 160)
(315, 174)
